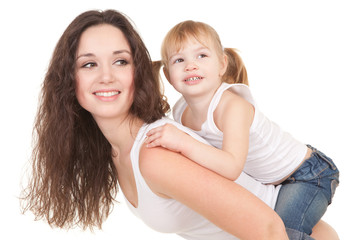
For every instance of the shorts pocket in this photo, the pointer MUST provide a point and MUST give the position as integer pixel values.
(334, 184)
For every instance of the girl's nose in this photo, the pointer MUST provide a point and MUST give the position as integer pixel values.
(191, 66)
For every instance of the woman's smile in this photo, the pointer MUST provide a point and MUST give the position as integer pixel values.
(106, 93)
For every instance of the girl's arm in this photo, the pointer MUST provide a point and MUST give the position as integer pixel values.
(221, 201)
(233, 117)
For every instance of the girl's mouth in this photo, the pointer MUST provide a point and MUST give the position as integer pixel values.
(192, 79)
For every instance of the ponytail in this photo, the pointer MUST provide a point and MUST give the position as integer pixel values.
(156, 66)
(236, 71)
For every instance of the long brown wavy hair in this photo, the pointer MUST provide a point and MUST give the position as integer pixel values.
(205, 34)
(74, 180)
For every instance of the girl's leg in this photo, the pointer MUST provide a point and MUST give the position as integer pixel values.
(301, 205)
(304, 197)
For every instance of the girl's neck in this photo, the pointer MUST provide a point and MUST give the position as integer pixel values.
(120, 133)
(197, 109)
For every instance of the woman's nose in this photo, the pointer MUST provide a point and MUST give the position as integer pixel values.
(106, 75)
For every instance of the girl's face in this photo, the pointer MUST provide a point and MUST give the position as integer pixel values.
(104, 72)
(195, 69)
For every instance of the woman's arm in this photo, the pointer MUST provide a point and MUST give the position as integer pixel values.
(233, 117)
(323, 231)
(221, 201)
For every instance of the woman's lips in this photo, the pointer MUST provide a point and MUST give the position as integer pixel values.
(106, 93)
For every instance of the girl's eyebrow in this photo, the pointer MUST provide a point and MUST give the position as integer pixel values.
(201, 48)
(174, 55)
(114, 53)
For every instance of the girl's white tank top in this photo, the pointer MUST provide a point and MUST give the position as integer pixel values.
(273, 153)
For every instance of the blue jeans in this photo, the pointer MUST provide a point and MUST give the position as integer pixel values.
(305, 195)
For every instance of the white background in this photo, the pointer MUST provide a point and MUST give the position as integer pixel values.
(302, 59)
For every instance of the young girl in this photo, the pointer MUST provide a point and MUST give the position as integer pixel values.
(218, 105)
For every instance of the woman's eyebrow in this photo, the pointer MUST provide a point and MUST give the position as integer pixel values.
(85, 55)
(122, 51)
(114, 53)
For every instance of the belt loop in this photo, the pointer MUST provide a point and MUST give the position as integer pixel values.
(312, 148)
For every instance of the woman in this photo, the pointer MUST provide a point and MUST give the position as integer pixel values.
(99, 99)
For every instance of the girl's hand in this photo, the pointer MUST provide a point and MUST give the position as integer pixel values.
(167, 136)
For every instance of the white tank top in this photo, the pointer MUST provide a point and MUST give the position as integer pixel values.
(171, 216)
(272, 155)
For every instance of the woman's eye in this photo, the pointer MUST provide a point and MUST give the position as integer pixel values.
(89, 65)
(121, 62)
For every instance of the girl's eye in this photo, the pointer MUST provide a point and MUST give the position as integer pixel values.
(202, 56)
(179, 60)
(121, 62)
(89, 65)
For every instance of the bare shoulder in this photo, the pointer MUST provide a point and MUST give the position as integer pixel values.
(154, 161)
(230, 107)
(172, 175)
(230, 98)
(164, 169)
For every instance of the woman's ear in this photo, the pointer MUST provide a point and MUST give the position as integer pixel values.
(223, 65)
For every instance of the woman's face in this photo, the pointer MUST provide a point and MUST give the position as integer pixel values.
(104, 72)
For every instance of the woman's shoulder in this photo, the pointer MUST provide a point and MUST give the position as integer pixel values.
(167, 120)
(156, 163)
(164, 170)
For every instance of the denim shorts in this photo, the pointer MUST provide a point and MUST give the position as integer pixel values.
(305, 195)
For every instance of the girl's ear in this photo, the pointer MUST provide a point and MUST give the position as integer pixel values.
(223, 65)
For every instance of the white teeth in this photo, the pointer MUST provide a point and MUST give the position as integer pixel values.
(106, 94)
(192, 79)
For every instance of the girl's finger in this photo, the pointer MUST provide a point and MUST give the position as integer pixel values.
(153, 131)
(151, 138)
(154, 143)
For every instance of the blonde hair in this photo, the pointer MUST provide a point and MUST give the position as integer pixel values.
(205, 34)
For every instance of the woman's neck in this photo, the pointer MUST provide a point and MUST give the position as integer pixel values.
(120, 133)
